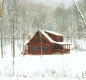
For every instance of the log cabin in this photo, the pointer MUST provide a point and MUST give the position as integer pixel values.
(46, 43)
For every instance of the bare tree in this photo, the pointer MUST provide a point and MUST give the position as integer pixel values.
(1, 18)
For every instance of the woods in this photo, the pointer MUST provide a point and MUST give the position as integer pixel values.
(35, 16)
(21, 19)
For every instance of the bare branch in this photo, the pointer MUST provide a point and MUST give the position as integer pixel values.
(82, 17)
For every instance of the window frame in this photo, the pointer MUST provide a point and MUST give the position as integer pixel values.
(45, 48)
(35, 48)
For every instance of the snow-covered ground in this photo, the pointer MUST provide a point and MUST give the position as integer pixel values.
(70, 66)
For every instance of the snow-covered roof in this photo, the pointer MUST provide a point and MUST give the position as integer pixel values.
(47, 36)
(52, 32)
(26, 42)
(50, 39)
(62, 43)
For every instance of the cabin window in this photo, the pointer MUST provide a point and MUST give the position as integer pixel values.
(44, 48)
(39, 40)
(35, 48)
(56, 46)
(43, 41)
(36, 41)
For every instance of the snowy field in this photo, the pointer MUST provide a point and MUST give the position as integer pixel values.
(70, 66)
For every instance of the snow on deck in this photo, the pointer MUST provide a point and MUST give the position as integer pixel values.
(62, 43)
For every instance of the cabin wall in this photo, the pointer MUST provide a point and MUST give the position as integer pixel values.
(40, 45)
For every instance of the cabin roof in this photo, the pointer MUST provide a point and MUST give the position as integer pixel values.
(26, 42)
(51, 40)
(52, 32)
(62, 43)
